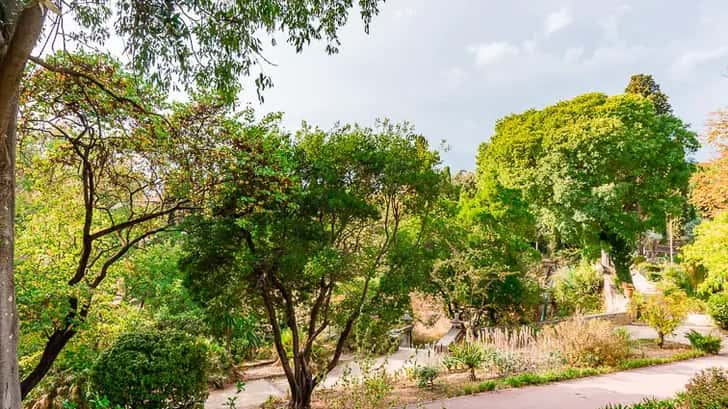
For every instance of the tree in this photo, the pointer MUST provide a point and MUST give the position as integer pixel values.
(476, 254)
(167, 38)
(95, 166)
(645, 85)
(664, 312)
(710, 183)
(596, 171)
(315, 254)
(709, 251)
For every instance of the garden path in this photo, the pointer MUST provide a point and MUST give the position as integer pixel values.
(258, 391)
(626, 387)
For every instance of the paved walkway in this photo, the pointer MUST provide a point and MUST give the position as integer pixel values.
(258, 391)
(662, 381)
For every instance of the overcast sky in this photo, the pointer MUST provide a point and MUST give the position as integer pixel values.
(452, 68)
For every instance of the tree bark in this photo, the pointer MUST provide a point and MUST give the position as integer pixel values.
(18, 42)
(9, 386)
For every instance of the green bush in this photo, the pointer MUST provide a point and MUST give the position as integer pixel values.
(426, 376)
(487, 386)
(578, 289)
(153, 370)
(706, 390)
(718, 309)
(705, 343)
(647, 404)
(664, 313)
(470, 356)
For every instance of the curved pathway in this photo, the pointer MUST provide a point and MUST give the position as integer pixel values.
(662, 381)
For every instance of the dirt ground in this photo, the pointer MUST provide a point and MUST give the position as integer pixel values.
(406, 392)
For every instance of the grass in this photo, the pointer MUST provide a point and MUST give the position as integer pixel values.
(531, 378)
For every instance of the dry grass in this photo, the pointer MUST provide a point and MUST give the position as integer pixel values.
(588, 343)
(431, 321)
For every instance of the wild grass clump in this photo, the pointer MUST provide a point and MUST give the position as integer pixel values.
(587, 343)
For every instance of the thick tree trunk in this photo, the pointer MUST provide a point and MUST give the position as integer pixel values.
(18, 40)
(9, 386)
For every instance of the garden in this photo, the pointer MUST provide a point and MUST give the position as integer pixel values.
(163, 241)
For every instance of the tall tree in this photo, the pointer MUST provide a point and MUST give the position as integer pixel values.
(104, 160)
(645, 85)
(315, 254)
(176, 41)
(596, 171)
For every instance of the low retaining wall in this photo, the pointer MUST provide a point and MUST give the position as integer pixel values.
(618, 318)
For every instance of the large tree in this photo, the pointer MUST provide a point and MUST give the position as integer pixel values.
(596, 171)
(314, 256)
(176, 41)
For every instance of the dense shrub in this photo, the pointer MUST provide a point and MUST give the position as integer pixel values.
(425, 376)
(153, 370)
(470, 356)
(578, 289)
(705, 343)
(588, 343)
(718, 309)
(664, 313)
(706, 390)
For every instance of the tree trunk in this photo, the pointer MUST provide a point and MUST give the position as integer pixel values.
(301, 393)
(22, 36)
(53, 347)
(9, 386)
(660, 339)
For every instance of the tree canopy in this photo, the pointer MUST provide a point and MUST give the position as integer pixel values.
(596, 171)
(314, 254)
(646, 86)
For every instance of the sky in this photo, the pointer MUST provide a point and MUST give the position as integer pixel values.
(452, 68)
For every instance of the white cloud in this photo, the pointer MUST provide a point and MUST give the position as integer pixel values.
(691, 59)
(491, 53)
(558, 20)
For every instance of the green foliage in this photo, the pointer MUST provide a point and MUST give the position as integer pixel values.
(645, 85)
(469, 355)
(487, 386)
(426, 376)
(705, 343)
(153, 370)
(596, 171)
(371, 390)
(313, 248)
(643, 362)
(647, 404)
(706, 390)
(578, 289)
(531, 378)
(718, 308)
(664, 312)
(186, 42)
(709, 251)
